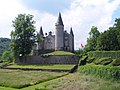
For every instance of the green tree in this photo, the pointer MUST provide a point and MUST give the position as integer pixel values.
(7, 56)
(110, 39)
(79, 51)
(92, 40)
(23, 37)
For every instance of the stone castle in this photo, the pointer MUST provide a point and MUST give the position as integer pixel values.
(61, 41)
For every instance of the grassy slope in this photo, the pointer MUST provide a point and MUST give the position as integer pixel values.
(106, 72)
(58, 67)
(77, 81)
(19, 78)
(61, 53)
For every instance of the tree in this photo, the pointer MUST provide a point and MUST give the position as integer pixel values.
(92, 40)
(110, 39)
(79, 51)
(23, 37)
(7, 56)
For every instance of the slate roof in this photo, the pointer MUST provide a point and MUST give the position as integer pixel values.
(59, 20)
(41, 31)
(71, 31)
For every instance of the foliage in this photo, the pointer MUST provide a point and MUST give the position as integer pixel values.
(103, 61)
(19, 79)
(23, 37)
(7, 56)
(92, 40)
(110, 39)
(78, 52)
(90, 59)
(107, 72)
(83, 60)
(60, 53)
(116, 62)
(102, 54)
(4, 45)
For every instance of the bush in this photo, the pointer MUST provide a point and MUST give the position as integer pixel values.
(103, 61)
(116, 62)
(107, 72)
(101, 54)
(7, 56)
(90, 59)
(83, 60)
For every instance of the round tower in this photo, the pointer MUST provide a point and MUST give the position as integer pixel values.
(59, 34)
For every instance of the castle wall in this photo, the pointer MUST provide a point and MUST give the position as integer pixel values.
(71, 42)
(49, 42)
(66, 41)
(48, 60)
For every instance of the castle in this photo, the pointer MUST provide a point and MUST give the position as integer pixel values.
(61, 41)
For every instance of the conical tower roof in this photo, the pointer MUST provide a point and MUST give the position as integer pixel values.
(71, 31)
(59, 20)
(41, 31)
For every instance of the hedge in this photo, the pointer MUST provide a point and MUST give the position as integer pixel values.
(101, 54)
(106, 72)
(103, 61)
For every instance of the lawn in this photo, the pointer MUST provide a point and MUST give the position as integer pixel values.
(75, 81)
(20, 79)
(52, 67)
(61, 53)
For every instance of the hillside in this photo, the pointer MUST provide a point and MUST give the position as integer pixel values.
(4, 45)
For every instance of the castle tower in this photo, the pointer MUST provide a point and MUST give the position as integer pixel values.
(41, 35)
(41, 32)
(71, 40)
(59, 34)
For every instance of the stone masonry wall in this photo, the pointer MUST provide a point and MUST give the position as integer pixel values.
(48, 60)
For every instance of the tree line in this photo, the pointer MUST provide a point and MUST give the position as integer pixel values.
(104, 41)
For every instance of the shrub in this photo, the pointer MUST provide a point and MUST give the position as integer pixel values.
(103, 61)
(101, 54)
(107, 72)
(7, 56)
(90, 59)
(116, 62)
(83, 60)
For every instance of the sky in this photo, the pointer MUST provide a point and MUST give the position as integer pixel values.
(81, 15)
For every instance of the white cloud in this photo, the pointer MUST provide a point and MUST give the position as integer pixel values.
(85, 13)
(8, 11)
(81, 15)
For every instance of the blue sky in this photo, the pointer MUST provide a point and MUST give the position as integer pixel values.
(50, 6)
(81, 15)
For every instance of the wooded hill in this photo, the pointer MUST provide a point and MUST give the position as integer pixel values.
(4, 45)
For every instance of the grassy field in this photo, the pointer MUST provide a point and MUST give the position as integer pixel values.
(20, 79)
(77, 81)
(39, 80)
(56, 67)
(61, 53)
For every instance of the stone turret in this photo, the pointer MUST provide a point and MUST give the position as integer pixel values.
(41, 44)
(71, 40)
(59, 33)
(41, 32)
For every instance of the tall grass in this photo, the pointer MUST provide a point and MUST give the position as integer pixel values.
(106, 72)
